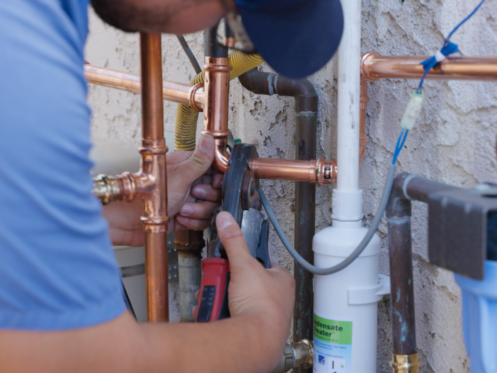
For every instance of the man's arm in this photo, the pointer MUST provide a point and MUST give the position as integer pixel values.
(251, 341)
(168, 16)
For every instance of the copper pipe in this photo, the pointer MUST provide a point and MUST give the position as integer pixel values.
(171, 91)
(375, 66)
(318, 172)
(151, 181)
(217, 83)
(216, 124)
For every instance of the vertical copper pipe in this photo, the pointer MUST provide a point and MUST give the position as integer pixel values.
(152, 179)
(217, 83)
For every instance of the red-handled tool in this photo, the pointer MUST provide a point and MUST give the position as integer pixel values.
(241, 199)
(214, 290)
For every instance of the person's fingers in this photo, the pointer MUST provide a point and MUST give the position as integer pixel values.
(206, 192)
(232, 238)
(197, 295)
(198, 163)
(202, 210)
(206, 179)
(177, 156)
(194, 312)
(195, 224)
(217, 180)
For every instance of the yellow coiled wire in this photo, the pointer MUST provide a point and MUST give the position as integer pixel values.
(185, 128)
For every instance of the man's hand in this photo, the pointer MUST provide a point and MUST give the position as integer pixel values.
(265, 297)
(192, 195)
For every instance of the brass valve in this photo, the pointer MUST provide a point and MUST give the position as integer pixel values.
(297, 354)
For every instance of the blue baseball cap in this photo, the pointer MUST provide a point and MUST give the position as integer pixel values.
(295, 37)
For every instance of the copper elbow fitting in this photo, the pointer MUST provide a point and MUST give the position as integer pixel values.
(221, 156)
(366, 64)
(216, 93)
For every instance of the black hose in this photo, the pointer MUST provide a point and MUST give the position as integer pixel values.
(189, 54)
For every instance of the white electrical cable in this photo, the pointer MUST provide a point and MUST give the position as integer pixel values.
(358, 251)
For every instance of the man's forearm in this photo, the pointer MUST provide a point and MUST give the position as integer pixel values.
(122, 345)
(232, 345)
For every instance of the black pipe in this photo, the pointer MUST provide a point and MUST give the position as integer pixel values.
(212, 47)
(406, 187)
(189, 54)
(306, 109)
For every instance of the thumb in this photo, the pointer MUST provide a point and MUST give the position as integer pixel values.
(232, 238)
(200, 160)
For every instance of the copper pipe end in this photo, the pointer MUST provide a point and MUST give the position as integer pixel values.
(365, 66)
(318, 172)
(326, 172)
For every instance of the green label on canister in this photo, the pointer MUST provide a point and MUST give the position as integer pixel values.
(332, 331)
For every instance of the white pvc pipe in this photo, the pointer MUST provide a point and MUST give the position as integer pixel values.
(346, 303)
(347, 197)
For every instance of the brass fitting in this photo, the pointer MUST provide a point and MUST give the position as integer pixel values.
(406, 363)
(296, 354)
(106, 189)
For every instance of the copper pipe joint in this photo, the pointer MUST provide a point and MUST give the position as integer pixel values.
(375, 66)
(318, 172)
(406, 363)
(216, 93)
(171, 91)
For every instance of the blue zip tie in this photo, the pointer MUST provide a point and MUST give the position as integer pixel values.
(447, 49)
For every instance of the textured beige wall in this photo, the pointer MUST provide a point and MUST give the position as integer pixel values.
(453, 140)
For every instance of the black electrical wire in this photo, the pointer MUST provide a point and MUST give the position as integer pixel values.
(126, 300)
(358, 251)
(189, 54)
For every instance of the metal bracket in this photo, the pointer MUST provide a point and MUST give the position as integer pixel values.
(458, 229)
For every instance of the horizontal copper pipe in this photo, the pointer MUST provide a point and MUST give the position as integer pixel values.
(374, 66)
(171, 91)
(314, 171)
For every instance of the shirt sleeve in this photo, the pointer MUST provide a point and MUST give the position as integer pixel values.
(57, 267)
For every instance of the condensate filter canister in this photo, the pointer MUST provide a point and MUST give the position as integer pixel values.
(332, 345)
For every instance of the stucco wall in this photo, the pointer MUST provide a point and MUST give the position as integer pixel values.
(453, 140)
